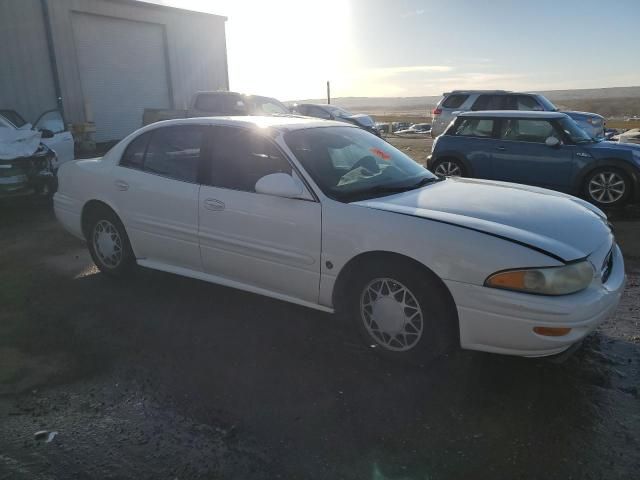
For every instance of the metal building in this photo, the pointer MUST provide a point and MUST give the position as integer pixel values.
(106, 59)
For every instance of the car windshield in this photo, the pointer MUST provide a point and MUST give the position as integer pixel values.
(269, 106)
(546, 103)
(349, 164)
(338, 112)
(574, 132)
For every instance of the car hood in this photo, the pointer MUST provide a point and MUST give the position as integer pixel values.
(563, 226)
(609, 148)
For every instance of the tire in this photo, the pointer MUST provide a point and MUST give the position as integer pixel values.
(404, 312)
(607, 187)
(108, 243)
(449, 167)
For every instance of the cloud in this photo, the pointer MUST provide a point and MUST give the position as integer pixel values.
(413, 13)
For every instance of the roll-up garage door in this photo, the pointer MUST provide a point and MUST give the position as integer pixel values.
(123, 70)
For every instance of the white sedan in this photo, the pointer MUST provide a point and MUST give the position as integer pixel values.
(328, 216)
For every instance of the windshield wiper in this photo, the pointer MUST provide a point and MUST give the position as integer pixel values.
(401, 188)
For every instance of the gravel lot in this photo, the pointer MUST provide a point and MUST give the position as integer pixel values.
(160, 376)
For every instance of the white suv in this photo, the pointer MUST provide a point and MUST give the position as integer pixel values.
(458, 101)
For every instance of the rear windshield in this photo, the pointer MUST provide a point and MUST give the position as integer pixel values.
(221, 104)
(454, 101)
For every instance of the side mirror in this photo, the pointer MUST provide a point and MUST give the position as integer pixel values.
(46, 133)
(280, 185)
(552, 142)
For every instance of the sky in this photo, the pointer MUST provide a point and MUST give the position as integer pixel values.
(288, 49)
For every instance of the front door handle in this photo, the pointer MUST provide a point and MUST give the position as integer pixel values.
(502, 149)
(213, 204)
(121, 185)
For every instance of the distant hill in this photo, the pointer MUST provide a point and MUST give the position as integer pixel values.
(616, 101)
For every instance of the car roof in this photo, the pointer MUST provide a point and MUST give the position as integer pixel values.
(513, 114)
(283, 123)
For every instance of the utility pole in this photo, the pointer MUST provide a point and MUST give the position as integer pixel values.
(328, 92)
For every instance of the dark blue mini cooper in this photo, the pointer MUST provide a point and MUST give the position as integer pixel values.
(545, 149)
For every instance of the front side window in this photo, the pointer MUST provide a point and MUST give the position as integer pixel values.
(349, 164)
(174, 152)
(573, 131)
(241, 157)
(527, 130)
(133, 156)
(474, 127)
(268, 106)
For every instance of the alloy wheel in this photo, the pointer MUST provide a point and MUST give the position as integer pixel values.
(448, 169)
(607, 187)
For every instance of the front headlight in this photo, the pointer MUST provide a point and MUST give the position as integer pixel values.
(544, 281)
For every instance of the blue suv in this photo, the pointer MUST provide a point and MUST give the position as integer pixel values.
(545, 149)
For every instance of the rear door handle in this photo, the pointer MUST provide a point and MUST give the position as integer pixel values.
(502, 149)
(121, 185)
(213, 204)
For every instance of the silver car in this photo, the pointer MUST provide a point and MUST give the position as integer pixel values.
(458, 101)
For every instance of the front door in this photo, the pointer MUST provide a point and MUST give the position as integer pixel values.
(521, 155)
(261, 241)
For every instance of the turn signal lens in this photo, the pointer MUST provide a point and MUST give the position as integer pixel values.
(545, 281)
(551, 331)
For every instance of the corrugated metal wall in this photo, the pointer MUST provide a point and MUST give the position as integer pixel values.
(196, 47)
(195, 52)
(26, 81)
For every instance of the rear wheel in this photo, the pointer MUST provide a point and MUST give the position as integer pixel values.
(108, 243)
(403, 312)
(449, 167)
(607, 187)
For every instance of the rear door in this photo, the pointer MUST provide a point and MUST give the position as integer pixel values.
(263, 242)
(522, 156)
(155, 187)
(476, 141)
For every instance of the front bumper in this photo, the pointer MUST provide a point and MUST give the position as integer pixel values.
(501, 321)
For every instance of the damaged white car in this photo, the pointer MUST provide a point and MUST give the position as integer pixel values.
(328, 216)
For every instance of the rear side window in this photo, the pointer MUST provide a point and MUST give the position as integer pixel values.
(174, 152)
(454, 101)
(133, 156)
(527, 130)
(489, 102)
(241, 157)
(474, 127)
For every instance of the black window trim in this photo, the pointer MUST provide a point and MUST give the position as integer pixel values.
(552, 121)
(206, 167)
(494, 130)
(203, 148)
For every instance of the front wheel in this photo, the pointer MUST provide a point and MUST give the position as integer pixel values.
(403, 312)
(607, 188)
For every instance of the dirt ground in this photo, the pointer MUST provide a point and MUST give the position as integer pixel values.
(159, 376)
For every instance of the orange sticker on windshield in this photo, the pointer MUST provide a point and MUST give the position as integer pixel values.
(380, 154)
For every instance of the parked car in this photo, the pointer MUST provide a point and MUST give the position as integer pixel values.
(397, 126)
(609, 133)
(50, 124)
(630, 136)
(331, 112)
(212, 104)
(545, 149)
(328, 216)
(417, 128)
(459, 101)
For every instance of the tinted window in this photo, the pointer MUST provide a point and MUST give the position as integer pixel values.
(134, 154)
(221, 104)
(527, 130)
(267, 106)
(474, 127)
(14, 117)
(525, 102)
(175, 152)
(454, 101)
(318, 113)
(489, 102)
(241, 157)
